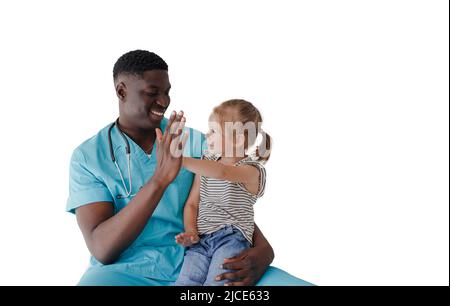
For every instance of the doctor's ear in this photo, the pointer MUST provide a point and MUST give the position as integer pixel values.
(121, 91)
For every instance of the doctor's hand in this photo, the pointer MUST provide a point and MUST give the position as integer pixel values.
(249, 266)
(170, 148)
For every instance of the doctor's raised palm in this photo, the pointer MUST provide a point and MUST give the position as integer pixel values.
(170, 148)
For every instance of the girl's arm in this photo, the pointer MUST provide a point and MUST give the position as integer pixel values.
(190, 234)
(191, 207)
(242, 174)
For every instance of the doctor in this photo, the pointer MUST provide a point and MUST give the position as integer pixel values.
(127, 190)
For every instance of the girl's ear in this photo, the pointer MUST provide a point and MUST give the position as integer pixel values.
(240, 140)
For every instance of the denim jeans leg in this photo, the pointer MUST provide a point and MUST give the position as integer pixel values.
(232, 245)
(194, 269)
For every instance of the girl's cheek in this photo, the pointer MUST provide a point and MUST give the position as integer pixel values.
(210, 143)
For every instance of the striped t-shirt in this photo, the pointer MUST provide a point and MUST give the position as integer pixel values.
(227, 203)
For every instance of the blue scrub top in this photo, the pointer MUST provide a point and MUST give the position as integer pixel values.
(94, 177)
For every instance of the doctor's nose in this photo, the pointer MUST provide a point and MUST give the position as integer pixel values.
(163, 101)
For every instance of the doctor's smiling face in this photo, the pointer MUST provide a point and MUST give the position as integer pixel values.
(142, 85)
(144, 99)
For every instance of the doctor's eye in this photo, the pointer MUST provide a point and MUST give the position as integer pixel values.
(152, 94)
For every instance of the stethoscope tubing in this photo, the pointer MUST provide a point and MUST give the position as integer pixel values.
(113, 158)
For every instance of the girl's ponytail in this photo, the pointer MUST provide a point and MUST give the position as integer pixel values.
(264, 148)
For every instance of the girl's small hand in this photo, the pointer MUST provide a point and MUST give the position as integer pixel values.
(187, 239)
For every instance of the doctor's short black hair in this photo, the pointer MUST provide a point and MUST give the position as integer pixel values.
(137, 61)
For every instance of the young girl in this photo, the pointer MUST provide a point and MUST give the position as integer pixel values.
(218, 215)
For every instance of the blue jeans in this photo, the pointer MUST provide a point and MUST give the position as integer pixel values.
(203, 260)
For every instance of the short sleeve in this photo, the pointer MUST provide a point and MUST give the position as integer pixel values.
(209, 156)
(262, 176)
(84, 187)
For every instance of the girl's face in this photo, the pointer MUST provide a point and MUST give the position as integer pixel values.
(215, 137)
(222, 142)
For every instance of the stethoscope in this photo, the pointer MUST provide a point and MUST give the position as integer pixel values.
(113, 158)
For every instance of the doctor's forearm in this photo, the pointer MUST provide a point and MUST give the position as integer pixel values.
(260, 241)
(111, 237)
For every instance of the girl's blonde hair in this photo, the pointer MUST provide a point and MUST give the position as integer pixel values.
(245, 112)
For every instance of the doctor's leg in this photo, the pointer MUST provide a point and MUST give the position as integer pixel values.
(100, 276)
(277, 277)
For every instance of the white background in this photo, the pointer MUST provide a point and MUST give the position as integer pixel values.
(354, 93)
